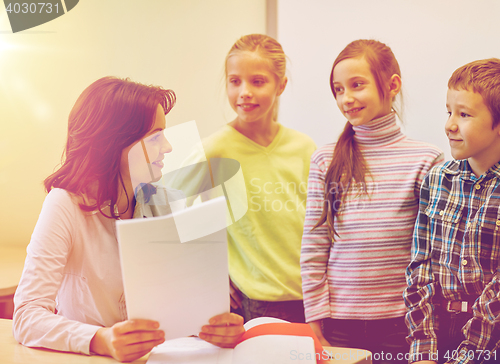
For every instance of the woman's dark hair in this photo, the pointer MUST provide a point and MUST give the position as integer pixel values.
(109, 115)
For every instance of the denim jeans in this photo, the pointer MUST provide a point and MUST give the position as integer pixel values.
(450, 332)
(385, 339)
(450, 336)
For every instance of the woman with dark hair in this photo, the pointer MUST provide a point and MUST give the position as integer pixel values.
(70, 297)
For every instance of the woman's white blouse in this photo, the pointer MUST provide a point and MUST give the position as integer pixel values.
(72, 266)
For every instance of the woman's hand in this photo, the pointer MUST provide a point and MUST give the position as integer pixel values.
(128, 340)
(223, 330)
(235, 295)
(316, 326)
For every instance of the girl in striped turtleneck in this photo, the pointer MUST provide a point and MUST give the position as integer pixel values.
(362, 203)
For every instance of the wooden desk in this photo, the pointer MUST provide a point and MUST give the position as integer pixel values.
(11, 267)
(11, 352)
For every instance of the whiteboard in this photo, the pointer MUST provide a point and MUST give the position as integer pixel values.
(429, 38)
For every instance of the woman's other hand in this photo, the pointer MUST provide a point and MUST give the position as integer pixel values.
(223, 330)
(127, 340)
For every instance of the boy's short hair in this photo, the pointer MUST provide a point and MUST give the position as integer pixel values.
(483, 77)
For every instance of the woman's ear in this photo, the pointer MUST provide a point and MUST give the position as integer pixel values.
(394, 85)
(282, 85)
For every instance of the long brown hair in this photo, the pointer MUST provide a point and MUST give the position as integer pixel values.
(348, 164)
(109, 115)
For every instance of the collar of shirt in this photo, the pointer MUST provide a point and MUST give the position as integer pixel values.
(379, 132)
(461, 167)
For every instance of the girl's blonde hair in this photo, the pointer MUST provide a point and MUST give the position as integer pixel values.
(348, 163)
(269, 49)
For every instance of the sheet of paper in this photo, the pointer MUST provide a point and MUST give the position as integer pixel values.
(275, 349)
(266, 349)
(179, 284)
(189, 350)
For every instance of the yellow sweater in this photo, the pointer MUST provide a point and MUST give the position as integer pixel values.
(264, 245)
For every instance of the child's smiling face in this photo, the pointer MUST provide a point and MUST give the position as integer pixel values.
(252, 87)
(356, 92)
(470, 130)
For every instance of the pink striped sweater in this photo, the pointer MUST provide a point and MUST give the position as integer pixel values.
(362, 275)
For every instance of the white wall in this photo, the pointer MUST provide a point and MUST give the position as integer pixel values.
(181, 44)
(178, 44)
(429, 38)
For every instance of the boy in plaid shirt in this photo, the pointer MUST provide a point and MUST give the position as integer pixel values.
(453, 293)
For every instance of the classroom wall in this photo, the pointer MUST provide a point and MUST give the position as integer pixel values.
(181, 44)
(176, 44)
(429, 38)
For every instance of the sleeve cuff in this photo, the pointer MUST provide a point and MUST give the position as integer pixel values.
(423, 350)
(81, 340)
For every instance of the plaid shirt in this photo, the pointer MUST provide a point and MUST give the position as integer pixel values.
(455, 253)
